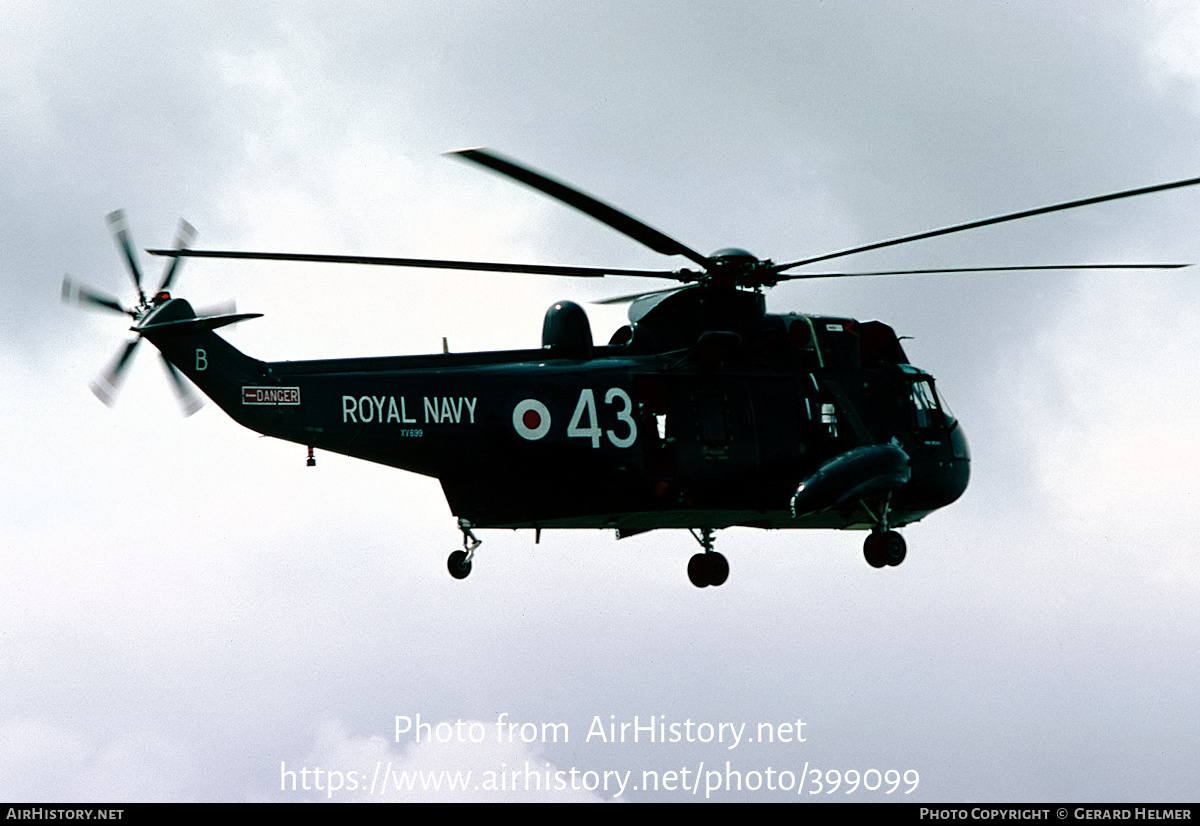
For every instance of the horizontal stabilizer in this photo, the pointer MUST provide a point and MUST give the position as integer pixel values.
(195, 325)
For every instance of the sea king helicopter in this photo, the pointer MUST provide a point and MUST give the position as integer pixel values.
(703, 412)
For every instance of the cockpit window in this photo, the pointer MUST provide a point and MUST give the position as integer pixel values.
(947, 413)
(925, 405)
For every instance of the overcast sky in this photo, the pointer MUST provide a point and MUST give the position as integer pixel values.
(184, 606)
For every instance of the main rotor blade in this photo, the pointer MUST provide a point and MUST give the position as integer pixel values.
(428, 263)
(75, 293)
(999, 219)
(189, 401)
(120, 229)
(183, 239)
(628, 297)
(108, 384)
(801, 275)
(583, 202)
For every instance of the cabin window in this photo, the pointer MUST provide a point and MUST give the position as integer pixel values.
(838, 340)
(829, 419)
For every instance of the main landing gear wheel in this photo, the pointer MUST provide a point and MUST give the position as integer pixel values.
(459, 563)
(884, 548)
(718, 569)
(709, 567)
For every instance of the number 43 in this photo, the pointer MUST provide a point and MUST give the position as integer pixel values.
(585, 424)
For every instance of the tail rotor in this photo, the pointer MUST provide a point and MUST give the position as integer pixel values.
(107, 385)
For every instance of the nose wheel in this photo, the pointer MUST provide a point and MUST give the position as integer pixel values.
(709, 567)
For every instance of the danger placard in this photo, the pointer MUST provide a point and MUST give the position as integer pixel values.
(271, 395)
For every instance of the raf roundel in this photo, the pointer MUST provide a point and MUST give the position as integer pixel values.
(531, 419)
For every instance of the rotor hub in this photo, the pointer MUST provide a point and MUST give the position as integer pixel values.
(738, 267)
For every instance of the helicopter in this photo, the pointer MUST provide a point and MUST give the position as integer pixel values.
(704, 412)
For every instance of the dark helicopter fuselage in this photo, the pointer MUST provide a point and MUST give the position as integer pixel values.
(705, 413)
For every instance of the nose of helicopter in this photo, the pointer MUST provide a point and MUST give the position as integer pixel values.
(958, 470)
(941, 477)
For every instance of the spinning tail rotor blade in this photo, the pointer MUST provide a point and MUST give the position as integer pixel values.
(108, 384)
(75, 293)
(120, 230)
(183, 239)
(189, 401)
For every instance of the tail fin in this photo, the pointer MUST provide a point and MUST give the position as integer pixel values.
(190, 344)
